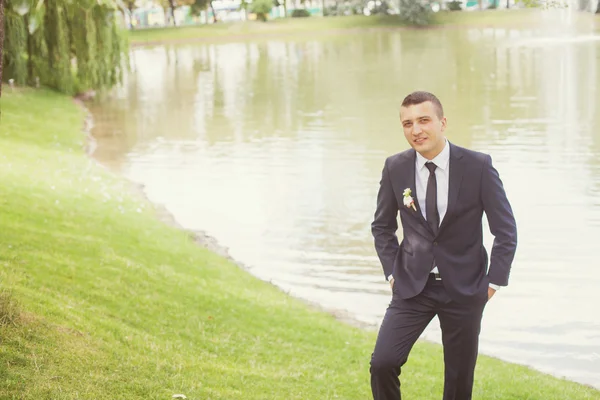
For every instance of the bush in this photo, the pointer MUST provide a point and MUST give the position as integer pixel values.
(383, 8)
(300, 13)
(455, 5)
(330, 11)
(347, 7)
(415, 12)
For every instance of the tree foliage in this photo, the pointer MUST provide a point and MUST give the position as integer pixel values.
(198, 6)
(173, 4)
(261, 8)
(71, 46)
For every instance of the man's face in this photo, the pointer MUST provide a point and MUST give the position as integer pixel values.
(423, 129)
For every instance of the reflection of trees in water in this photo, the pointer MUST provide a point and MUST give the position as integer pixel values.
(213, 124)
(148, 105)
(335, 102)
(115, 128)
(266, 113)
(543, 104)
(590, 81)
(286, 88)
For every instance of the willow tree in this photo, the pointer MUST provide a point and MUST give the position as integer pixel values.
(1, 41)
(71, 46)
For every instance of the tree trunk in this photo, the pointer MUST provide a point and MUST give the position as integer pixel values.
(598, 8)
(131, 8)
(172, 3)
(507, 4)
(30, 77)
(213, 11)
(1, 42)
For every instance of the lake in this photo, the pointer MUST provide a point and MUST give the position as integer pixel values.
(275, 148)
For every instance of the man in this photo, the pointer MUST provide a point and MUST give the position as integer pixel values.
(440, 268)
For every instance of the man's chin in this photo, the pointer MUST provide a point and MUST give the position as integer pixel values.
(422, 148)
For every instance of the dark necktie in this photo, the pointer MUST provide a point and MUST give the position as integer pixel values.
(431, 210)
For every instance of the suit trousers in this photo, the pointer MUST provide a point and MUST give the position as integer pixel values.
(403, 323)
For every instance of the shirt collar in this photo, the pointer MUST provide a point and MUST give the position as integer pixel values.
(441, 160)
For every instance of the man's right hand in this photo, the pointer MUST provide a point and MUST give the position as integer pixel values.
(392, 283)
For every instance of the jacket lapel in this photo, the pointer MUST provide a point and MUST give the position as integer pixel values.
(411, 170)
(455, 180)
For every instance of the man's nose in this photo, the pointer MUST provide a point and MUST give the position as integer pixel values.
(417, 129)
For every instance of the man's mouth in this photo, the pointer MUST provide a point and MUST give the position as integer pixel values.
(420, 140)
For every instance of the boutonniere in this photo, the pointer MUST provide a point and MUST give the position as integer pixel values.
(408, 200)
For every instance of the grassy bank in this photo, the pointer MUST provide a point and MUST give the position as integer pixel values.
(100, 300)
(319, 25)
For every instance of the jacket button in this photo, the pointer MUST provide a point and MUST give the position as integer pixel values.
(435, 243)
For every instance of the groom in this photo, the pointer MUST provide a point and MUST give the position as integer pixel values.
(441, 266)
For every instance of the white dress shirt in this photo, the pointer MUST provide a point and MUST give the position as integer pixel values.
(442, 176)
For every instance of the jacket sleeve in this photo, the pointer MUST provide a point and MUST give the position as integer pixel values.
(385, 225)
(501, 222)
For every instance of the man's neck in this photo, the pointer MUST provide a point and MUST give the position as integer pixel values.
(434, 153)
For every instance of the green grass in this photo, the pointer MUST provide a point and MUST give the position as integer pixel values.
(318, 25)
(101, 300)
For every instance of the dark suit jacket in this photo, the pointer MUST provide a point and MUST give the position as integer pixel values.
(462, 260)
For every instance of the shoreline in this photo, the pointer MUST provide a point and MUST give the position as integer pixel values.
(199, 237)
(318, 26)
(275, 34)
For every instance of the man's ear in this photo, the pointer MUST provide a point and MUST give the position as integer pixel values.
(444, 123)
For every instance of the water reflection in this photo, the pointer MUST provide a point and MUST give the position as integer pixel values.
(276, 149)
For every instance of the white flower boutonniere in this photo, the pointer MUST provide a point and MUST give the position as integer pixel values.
(408, 200)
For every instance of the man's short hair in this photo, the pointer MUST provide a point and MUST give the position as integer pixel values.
(421, 97)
